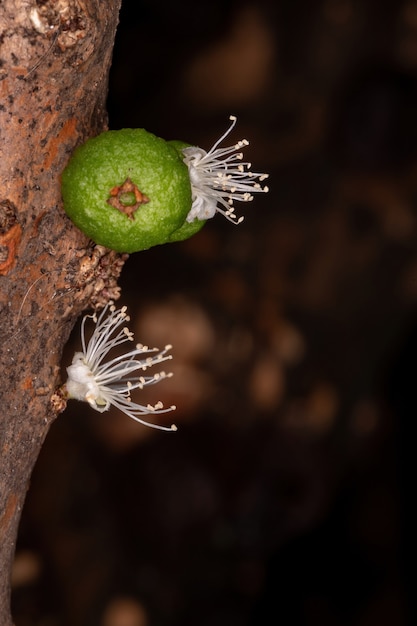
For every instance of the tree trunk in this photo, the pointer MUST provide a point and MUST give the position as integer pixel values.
(54, 62)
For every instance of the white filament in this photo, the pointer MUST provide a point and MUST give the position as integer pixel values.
(104, 383)
(219, 177)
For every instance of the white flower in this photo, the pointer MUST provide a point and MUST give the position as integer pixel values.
(218, 177)
(104, 383)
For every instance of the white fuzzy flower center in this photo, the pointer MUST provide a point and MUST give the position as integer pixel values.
(82, 385)
(102, 381)
(219, 177)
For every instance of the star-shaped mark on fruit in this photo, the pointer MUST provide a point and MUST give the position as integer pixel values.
(127, 198)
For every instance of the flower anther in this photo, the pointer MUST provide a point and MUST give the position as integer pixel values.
(105, 383)
(219, 177)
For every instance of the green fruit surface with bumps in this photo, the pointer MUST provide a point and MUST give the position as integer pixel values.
(129, 190)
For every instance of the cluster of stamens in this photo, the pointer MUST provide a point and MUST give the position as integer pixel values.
(109, 383)
(219, 177)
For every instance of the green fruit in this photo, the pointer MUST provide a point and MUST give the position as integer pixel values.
(129, 190)
(188, 229)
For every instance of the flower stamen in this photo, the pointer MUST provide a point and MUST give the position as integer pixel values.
(217, 180)
(105, 383)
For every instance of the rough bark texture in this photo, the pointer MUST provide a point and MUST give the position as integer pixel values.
(54, 61)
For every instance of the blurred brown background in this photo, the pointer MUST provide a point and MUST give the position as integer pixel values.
(283, 498)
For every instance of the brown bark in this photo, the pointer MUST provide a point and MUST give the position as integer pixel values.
(54, 61)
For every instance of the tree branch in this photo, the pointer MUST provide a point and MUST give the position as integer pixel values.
(54, 62)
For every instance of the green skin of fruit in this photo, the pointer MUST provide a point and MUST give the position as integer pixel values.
(154, 166)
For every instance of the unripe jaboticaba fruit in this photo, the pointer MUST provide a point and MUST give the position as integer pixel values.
(188, 229)
(129, 190)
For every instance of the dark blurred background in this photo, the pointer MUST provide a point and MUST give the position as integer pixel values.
(284, 497)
